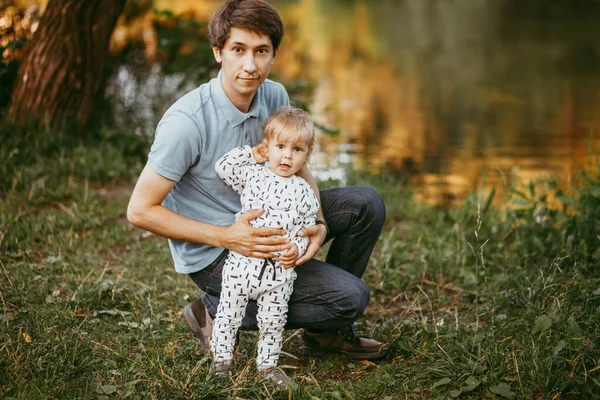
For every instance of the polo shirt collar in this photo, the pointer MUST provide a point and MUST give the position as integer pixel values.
(233, 115)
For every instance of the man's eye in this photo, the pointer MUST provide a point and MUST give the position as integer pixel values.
(237, 49)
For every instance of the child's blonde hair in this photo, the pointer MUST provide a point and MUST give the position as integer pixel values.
(290, 123)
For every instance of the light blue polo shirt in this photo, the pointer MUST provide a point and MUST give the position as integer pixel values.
(191, 136)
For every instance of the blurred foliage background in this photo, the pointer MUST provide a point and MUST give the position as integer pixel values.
(476, 301)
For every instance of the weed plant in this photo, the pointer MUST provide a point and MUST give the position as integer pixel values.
(476, 301)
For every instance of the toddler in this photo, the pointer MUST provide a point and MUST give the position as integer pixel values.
(288, 203)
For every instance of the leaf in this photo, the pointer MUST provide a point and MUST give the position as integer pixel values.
(559, 346)
(26, 337)
(573, 327)
(521, 195)
(519, 202)
(106, 389)
(368, 363)
(109, 312)
(470, 384)
(54, 259)
(455, 393)
(567, 201)
(574, 332)
(441, 382)
(596, 292)
(542, 323)
(503, 389)
(531, 188)
(489, 200)
(130, 324)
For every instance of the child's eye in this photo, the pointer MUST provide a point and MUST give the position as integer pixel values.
(280, 146)
(297, 149)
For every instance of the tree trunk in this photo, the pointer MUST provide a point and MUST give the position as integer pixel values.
(63, 69)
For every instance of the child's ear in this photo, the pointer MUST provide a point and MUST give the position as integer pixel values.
(310, 153)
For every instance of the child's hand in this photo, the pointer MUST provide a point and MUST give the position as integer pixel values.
(288, 258)
(260, 153)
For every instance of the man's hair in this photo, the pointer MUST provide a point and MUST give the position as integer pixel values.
(290, 123)
(254, 15)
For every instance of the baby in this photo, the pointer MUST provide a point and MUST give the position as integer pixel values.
(289, 203)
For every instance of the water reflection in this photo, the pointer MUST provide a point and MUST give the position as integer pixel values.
(454, 90)
(461, 95)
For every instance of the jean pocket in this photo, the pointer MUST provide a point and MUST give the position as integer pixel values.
(212, 291)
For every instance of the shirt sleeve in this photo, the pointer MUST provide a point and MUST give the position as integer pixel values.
(309, 206)
(235, 167)
(176, 146)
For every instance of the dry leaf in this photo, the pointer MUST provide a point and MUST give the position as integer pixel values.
(367, 362)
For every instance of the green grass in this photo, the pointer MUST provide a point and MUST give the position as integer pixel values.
(476, 301)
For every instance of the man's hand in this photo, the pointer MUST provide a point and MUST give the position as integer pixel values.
(316, 235)
(288, 258)
(254, 242)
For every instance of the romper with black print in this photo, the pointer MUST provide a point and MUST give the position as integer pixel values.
(289, 203)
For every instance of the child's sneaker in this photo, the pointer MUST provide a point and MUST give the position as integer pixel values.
(222, 368)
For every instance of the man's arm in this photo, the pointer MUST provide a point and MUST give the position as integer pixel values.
(146, 211)
(316, 233)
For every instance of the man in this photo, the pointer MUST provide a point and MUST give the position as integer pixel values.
(179, 195)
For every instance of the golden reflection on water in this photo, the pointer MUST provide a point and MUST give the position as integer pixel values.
(460, 100)
(465, 95)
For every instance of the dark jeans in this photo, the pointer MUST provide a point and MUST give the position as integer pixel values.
(327, 295)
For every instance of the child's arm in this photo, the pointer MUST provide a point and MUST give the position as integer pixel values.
(309, 207)
(233, 167)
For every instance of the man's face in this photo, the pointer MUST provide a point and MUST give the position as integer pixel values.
(246, 59)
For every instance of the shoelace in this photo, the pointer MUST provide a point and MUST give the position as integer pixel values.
(351, 335)
(262, 271)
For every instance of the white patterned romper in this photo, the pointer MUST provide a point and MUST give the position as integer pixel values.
(289, 203)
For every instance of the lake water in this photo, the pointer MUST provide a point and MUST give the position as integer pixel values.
(467, 95)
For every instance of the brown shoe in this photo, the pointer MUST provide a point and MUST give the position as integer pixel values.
(200, 322)
(345, 342)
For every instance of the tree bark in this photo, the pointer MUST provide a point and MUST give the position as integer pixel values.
(63, 69)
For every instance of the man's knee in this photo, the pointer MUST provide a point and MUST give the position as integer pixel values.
(372, 205)
(356, 300)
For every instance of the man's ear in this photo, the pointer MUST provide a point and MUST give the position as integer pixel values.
(217, 54)
(274, 55)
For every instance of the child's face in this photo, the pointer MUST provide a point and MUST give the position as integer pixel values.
(286, 157)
